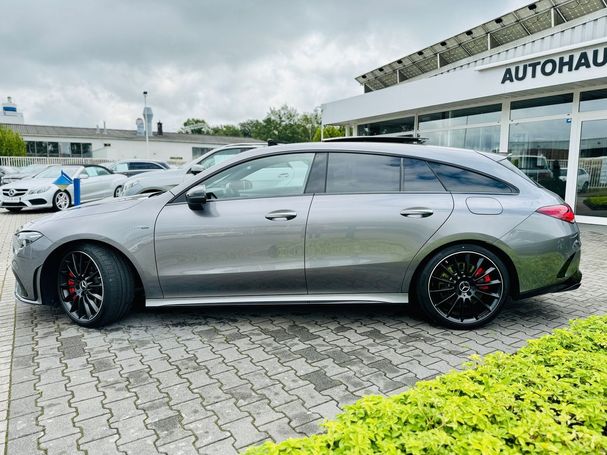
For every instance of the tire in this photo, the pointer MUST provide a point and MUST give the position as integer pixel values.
(95, 285)
(463, 286)
(61, 200)
(117, 191)
(14, 209)
(585, 187)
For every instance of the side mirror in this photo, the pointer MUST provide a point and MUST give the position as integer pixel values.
(196, 198)
(196, 169)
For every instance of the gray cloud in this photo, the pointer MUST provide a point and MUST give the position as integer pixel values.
(81, 62)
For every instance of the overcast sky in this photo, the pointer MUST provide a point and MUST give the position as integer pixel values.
(79, 62)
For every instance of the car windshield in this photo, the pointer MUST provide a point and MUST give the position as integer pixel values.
(55, 172)
(32, 168)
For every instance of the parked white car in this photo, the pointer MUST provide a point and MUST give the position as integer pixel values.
(583, 179)
(96, 182)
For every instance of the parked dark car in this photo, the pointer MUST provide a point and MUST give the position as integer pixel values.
(136, 166)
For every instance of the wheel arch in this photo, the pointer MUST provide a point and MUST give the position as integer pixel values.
(513, 274)
(51, 263)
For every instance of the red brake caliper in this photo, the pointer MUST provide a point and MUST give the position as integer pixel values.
(71, 289)
(486, 278)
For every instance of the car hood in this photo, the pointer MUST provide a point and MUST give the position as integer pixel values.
(153, 175)
(29, 183)
(104, 206)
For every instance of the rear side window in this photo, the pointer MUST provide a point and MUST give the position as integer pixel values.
(142, 165)
(362, 173)
(461, 180)
(417, 176)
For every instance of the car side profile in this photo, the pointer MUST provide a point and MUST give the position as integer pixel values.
(40, 191)
(456, 232)
(154, 182)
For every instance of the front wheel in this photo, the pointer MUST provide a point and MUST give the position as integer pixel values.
(95, 285)
(61, 200)
(463, 286)
(117, 191)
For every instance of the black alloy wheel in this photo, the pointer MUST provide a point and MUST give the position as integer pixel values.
(95, 285)
(463, 286)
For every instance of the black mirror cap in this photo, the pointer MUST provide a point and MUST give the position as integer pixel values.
(196, 198)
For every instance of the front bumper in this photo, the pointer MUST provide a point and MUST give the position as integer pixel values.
(41, 200)
(27, 267)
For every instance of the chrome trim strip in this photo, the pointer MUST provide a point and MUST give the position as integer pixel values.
(285, 299)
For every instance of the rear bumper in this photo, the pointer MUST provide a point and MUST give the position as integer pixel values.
(571, 284)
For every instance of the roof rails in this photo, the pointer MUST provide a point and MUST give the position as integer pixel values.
(406, 139)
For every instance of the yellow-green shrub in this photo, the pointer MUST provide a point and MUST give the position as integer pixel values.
(550, 397)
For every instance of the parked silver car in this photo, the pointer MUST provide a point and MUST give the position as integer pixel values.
(155, 181)
(41, 191)
(24, 172)
(455, 231)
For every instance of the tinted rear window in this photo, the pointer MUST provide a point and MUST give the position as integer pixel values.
(419, 177)
(461, 180)
(361, 173)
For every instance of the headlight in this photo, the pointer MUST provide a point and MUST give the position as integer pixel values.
(40, 189)
(23, 239)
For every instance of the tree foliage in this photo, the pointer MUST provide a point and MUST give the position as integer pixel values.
(11, 143)
(283, 124)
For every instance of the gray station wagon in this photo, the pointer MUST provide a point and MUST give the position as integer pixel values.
(456, 232)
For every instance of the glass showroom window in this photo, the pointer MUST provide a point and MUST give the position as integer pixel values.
(401, 125)
(595, 100)
(591, 185)
(473, 128)
(538, 141)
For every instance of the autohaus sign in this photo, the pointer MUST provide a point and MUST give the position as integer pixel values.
(594, 58)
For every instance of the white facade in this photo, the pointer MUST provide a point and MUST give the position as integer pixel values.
(544, 96)
(112, 145)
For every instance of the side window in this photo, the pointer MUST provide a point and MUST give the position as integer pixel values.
(142, 165)
(120, 167)
(218, 157)
(279, 175)
(362, 173)
(96, 171)
(417, 176)
(463, 181)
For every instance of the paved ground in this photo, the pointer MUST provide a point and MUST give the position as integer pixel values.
(218, 380)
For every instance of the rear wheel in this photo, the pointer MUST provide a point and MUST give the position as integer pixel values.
(117, 191)
(463, 286)
(95, 285)
(585, 187)
(62, 200)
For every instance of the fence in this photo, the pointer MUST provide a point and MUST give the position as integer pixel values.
(20, 161)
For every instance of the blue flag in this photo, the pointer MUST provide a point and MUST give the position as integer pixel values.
(63, 181)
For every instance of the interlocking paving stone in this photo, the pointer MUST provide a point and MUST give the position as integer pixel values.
(216, 381)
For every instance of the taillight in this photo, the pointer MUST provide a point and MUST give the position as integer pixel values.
(560, 211)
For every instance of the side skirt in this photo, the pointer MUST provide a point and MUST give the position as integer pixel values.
(286, 299)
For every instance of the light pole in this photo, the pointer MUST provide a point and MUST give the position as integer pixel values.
(145, 120)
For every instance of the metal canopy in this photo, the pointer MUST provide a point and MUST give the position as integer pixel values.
(528, 20)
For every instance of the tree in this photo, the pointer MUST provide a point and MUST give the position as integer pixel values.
(196, 126)
(11, 143)
(283, 124)
(329, 131)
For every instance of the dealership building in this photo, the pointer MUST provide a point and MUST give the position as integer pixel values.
(531, 83)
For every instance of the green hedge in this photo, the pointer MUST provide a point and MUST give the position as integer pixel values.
(550, 397)
(596, 202)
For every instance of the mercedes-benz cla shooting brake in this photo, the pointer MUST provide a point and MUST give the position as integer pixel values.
(456, 232)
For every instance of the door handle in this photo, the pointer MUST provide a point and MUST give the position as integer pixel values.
(281, 215)
(417, 213)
